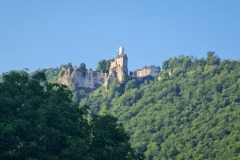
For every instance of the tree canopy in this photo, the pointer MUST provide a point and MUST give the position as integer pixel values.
(83, 69)
(103, 66)
(39, 120)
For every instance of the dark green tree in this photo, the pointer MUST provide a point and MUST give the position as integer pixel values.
(212, 59)
(186, 62)
(130, 84)
(69, 64)
(103, 66)
(83, 69)
(110, 141)
(39, 120)
(165, 65)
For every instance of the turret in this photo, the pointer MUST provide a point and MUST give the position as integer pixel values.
(121, 51)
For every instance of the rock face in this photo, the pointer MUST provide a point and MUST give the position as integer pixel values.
(92, 79)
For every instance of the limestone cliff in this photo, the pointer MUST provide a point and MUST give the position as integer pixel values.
(92, 79)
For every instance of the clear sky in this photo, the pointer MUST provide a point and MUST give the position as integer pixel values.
(49, 33)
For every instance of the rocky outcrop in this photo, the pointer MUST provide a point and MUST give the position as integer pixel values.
(92, 79)
(89, 79)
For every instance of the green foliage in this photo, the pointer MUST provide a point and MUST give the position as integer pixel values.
(39, 76)
(130, 85)
(60, 73)
(191, 114)
(83, 69)
(39, 120)
(52, 74)
(103, 66)
(109, 140)
(212, 59)
(114, 89)
(165, 65)
(124, 78)
(69, 65)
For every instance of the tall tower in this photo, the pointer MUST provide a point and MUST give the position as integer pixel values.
(122, 60)
(119, 66)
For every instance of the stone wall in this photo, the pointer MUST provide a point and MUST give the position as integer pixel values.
(147, 71)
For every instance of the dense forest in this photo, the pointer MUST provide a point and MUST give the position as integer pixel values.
(40, 120)
(190, 111)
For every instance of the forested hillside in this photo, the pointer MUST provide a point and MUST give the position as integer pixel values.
(190, 111)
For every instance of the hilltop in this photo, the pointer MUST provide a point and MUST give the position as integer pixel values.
(80, 78)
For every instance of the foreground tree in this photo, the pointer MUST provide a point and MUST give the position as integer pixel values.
(110, 141)
(39, 120)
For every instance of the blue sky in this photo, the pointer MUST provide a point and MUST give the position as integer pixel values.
(49, 33)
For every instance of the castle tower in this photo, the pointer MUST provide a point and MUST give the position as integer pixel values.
(122, 60)
(119, 65)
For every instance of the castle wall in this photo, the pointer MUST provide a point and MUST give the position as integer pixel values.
(83, 81)
(147, 71)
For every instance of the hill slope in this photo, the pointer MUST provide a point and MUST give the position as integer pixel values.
(191, 111)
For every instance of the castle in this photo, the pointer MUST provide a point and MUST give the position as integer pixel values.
(147, 71)
(118, 66)
(93, 79)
